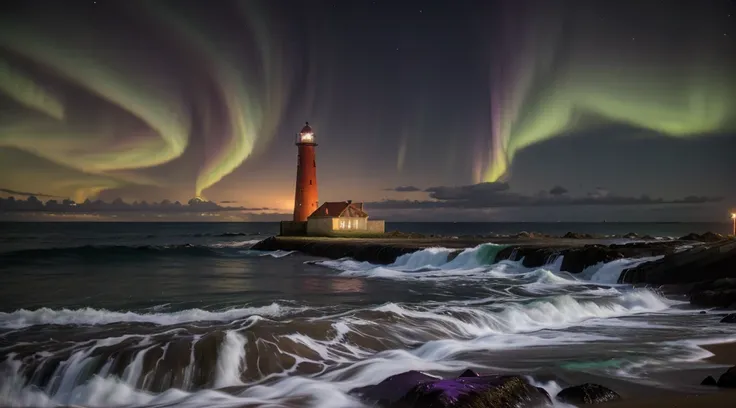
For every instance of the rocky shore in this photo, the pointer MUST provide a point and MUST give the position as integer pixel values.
(700, 266)
(470, 389)
(703, 266)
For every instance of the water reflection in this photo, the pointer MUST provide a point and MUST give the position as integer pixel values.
(347, 285)
(332, 285)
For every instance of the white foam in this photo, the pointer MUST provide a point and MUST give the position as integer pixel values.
(273, 254)
(235, 244)
(477, 263)
(552, 388)
(609, 273)
(428, 257)
(88, 316)
(448, 332)
(230, 360)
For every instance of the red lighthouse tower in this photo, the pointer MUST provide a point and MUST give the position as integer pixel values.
(306, 199)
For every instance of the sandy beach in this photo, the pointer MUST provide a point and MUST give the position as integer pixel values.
(717, 399)
(724, 353)
(711, 397)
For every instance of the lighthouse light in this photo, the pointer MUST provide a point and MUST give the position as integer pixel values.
(308, 137)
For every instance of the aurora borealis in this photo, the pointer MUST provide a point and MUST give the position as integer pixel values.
(93, 103)
(153, 100)
(559, 67)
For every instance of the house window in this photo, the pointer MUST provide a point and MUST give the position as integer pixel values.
(310, 182)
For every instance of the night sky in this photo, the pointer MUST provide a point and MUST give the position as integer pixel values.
(456, 110)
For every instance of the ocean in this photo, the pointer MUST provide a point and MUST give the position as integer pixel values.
(187, 315)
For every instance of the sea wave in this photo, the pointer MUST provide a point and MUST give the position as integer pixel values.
(316, 360)
(480, 263)
(91, 317)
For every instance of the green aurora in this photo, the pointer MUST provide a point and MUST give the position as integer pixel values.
(567, 70)
(144, 116)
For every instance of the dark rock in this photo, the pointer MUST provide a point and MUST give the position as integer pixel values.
(379, 253)
(577, 235)
(531, 256)
(631, 235)
(709, 380)
(535, 257)
(393, 388)
(482, 392)
(647, 238)
(577, 259)
(712, 237)
(587, 394)
(468, 373)
(702, 312)
(719, 293)
(713, 298)
(704, 262)
(728, 379)
(544, 392)
(707, 237)
(452, 255)
(718, 284)
(729, 318)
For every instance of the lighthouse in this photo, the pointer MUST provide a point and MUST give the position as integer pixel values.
(306, 199)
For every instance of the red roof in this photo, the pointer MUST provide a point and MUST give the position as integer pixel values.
(340, 209)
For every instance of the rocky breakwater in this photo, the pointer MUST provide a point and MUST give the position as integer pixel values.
(533, 250)
(378, 251)
(577, 258)
(706, 272)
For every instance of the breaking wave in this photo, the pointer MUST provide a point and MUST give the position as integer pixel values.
(305, 360)
(311, 355)
(479, 263)
(91, 317)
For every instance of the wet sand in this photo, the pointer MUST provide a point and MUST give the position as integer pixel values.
(711, 397)
(717, 399)
(724, 353)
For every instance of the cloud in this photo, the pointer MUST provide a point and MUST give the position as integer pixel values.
(23, 193)
(499, 195)
(469, 192)
(558, 191)
(599, 192)
(33, 204)
(405, 189)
